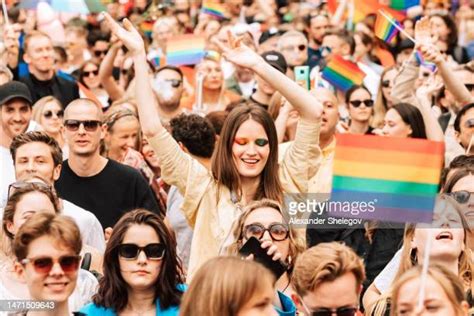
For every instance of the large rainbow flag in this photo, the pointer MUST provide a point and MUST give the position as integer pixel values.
(385, 30)
(342, 74)
(399, 176)
(185, 50)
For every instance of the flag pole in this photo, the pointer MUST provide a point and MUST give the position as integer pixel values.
(5, 13)
(389, 19)
(424, 271)
(470, 145)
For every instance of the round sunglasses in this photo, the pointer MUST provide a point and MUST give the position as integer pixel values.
(462, 197)
(43, 265)
(155, 251)
(278, 231)
(49, 114)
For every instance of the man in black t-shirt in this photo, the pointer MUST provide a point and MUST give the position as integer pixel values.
(105, 187)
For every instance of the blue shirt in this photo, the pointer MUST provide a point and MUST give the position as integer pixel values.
(288, 307)
(93, 310)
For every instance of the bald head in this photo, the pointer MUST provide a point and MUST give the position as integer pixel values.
(84, 105)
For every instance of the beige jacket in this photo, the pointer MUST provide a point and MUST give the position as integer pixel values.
(212, 217)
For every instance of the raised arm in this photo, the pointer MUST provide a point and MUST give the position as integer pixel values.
(107, 80)
(307, 105)
(147, 104)
(424, 95)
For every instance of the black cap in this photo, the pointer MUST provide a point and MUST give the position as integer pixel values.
(405, 44)
(14, 89)
(269, 34)
(276, 59)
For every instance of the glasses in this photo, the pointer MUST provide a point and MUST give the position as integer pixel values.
(469, 86)
(49, 114)
(278, 231)
(386, 84)
(324, 50)
(27, 185)
(356, 103)
(175, 83)
(88, 73)
(99, 53)
(154, 251)
(300, 48)
(89, 126)
(43, 265)
(462, 197)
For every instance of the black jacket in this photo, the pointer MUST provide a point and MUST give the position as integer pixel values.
(62, 89)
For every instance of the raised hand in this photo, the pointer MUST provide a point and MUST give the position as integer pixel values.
(238, 53)
(429, 89)
(423, 32)
(127, 34)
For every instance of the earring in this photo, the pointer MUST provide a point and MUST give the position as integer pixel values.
(289, 260)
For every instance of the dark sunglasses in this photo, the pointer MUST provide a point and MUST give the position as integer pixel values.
(49, 114)
(386, 84)
(88, 73)
(43, 265)
(461, 197)
(325, 50)
(469, 86)
(152, 251)
(124, 71)
(343, 311)
(356, 103)
(99, 53)
(90, 126)
(27, 185)
(175, 83)
(278, 231)
(469, 123)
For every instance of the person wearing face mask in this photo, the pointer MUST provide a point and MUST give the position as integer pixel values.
(168, 85)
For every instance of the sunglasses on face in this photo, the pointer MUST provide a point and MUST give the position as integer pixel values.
(154, 251)
(386, 84)
(356, 103)
(49, 114)
(89, 126)
(175, 83)
(98, 53)
(325, 50)
(43, 265)
(461, 197)
(300, 48)
(343, 311)
(27, 185)
(88, 73)
(278, 231)
(469, 86)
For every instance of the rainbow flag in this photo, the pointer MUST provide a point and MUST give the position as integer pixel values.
(214, 8)
(186, 49)
(385, 30)
(398, 177)
(362, 8)
(403, 4)
(342, 73)
(147, 28)
(428, 64)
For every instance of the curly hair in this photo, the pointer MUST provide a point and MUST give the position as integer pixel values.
(196, 134)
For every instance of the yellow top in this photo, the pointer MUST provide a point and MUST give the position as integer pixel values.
(212, 219)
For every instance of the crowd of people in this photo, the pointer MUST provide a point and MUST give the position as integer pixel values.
(132, 186)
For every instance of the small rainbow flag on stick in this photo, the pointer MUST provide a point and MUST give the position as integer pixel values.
(385, 30)
(214, 8)
(398, 176)
(147, 27)
(403, 4)
(342, 74)
(185, 50)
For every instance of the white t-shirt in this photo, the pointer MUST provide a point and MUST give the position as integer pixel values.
(384, 280)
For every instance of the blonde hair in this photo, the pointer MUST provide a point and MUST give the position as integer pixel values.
(409, 257)
(39, 106)
(449, 282)
(223, 285)
(297, 244)
(326, 262)
(380, 106)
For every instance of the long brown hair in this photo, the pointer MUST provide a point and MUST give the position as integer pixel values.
(380, 106)
(112, 292)
(223, 285)
(223, 166)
